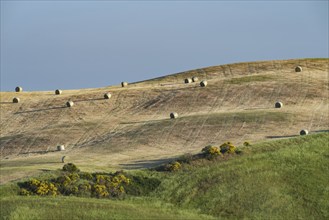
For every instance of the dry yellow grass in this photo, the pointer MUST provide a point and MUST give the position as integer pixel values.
(133, 126)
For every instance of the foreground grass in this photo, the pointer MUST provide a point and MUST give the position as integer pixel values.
(33, 207)
(285, 179)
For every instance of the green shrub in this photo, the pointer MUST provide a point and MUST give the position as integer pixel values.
(86, 175)
(238, 151)
(84, 189)
(63, 180)
(246, 144)
(70, 190)
(70, 167)
(74, 177)
(174, 166)
(24, 192)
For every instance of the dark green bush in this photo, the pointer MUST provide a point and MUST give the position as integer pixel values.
(246, 144)
(86, 176)
(70, 190)
(238, 151)
(70, 167)
(174, 166)
(84, 189)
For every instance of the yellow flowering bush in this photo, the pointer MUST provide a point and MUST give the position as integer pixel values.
(227, 147)
(86, 176)
(100, 191)
(175, 166)
(101, 179)
(42, 188)
(211, 152)
(79, 184)
(24, 192)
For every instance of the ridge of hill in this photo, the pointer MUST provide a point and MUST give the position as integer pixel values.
(132, 129)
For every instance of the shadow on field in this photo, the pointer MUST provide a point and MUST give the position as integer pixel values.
(47, 162)
(321, 131)
(141, 122)
(39, 152)
(283, 136)
(140, 164)
(45, 170)
(260, 108)
(40, 110)
(289, 136)
(87, 100)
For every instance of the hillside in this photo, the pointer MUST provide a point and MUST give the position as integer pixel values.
(282, 179)
(132, 129)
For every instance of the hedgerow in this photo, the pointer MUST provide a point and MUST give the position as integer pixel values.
(73, 182)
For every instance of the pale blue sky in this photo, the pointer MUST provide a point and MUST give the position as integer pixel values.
(47, 45)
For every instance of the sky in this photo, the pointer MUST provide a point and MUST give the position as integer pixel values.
(48, 45)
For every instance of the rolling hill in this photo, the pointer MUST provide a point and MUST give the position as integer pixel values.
(133, 130)
(281, 179)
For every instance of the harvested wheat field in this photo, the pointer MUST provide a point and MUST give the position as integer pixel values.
(133, 130)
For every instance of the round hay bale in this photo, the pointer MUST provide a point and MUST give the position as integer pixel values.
(188, 80)
(298, 69)
(303, 132)
(107, 95)
(69, 103)
(58, 92)
(203, 83)
(63, 159)
(195, 79)
(19, 89)
(173, 115)
(278, 105)
(16, 100)
(124, 84)
(60, 147)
